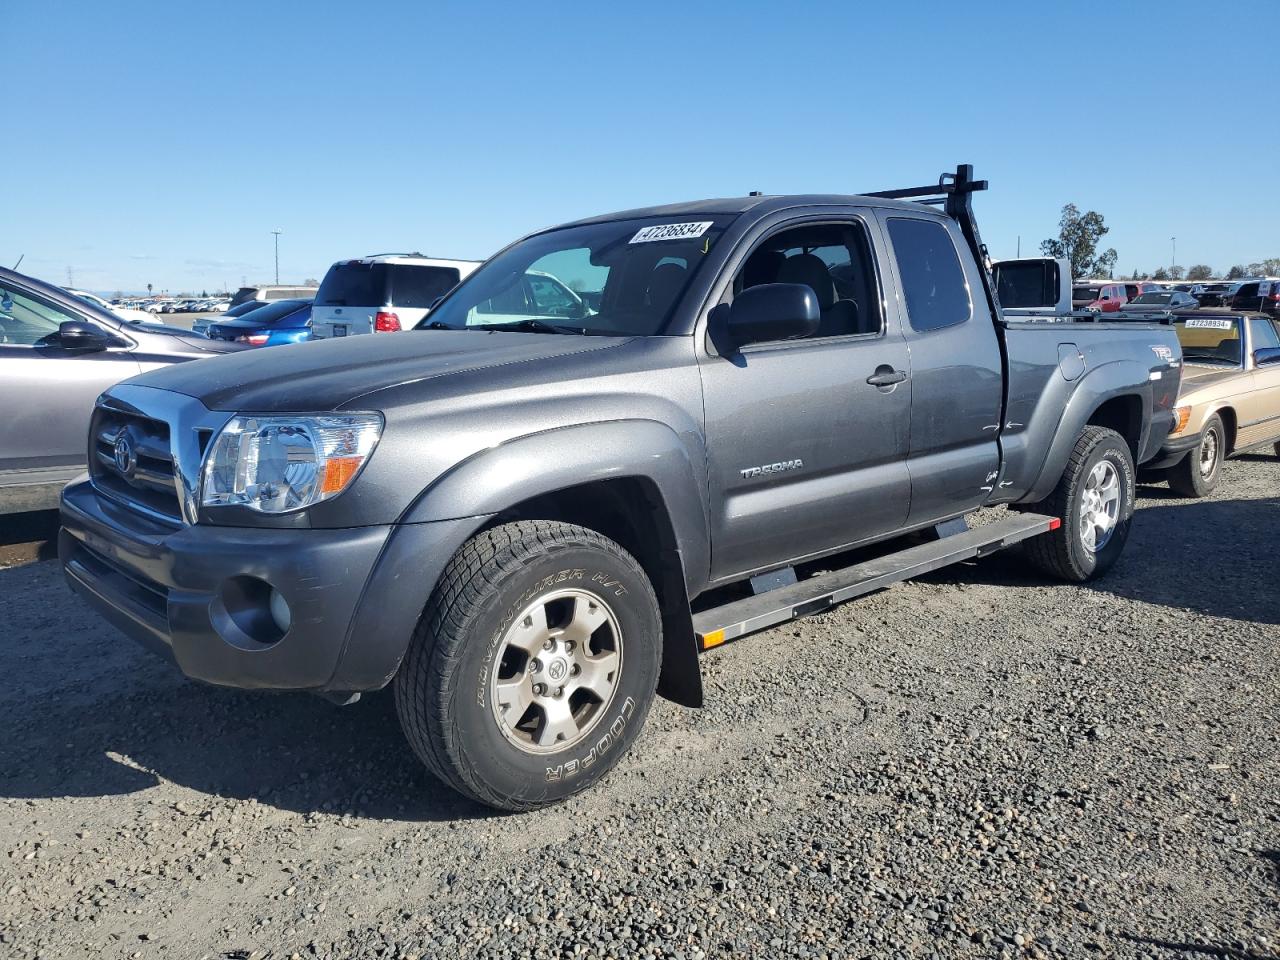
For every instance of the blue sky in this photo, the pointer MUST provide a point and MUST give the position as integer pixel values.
(163, 142)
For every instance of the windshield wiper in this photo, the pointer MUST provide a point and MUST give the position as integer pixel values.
(529, 325)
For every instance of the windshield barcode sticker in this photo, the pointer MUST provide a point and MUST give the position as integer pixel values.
(671, 231)
(1208, 323)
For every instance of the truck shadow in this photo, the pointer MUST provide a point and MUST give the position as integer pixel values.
(1181, 553)
(90, 714)
(1197, 949)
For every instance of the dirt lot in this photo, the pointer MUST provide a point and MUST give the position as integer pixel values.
(978, 764)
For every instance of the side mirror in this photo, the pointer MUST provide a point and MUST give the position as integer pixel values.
(79, 335)
(773, 311)
(1266, 356)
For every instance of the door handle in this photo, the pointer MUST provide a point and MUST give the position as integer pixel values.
(886, 376)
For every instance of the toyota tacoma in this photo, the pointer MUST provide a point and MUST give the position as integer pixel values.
(530, 513)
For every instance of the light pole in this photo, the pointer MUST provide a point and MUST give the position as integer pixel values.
(276, 234)
(1173, 262)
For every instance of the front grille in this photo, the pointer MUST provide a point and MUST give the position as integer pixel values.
(147, 479)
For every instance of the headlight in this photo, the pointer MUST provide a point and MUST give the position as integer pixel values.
(1180, 417)
(280, 463)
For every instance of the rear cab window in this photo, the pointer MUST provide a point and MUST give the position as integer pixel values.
(1029, 284)
(933, 283)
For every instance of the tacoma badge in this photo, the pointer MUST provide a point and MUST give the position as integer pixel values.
(768, 468)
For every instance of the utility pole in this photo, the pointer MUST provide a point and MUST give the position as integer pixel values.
(1174, 261)
(277, 236)
(1019, 246)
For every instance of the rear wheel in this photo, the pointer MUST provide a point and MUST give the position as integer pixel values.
(1197, 473)
(1094, 500)
(534, 664)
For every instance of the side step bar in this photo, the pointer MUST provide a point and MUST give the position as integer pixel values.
(713, 627)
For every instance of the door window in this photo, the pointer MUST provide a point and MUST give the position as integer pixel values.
(933, 281)
(834, 260)
(27, 322)
(1262, 334)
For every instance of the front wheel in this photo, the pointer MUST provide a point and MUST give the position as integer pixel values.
(534, 664)
(1196, 474)
(1094, 499)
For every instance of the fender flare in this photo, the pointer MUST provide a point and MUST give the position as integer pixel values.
(497, 478)
(1120, 378)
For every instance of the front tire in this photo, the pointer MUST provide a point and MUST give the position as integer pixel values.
(534, 665)
(1094, 499)
(1196, 474)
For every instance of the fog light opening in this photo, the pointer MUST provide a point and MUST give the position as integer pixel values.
(251, 613)
(280, 611)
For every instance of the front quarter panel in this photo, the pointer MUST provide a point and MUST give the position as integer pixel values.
(553, 460)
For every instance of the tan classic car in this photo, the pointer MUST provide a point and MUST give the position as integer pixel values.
(1229, 401)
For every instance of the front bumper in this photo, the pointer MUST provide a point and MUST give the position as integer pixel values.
(1173, 451)
(189, 593)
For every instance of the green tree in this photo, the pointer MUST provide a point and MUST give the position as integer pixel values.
(1160, 274)
(1200, 271)
(1175, 273)
(1077, 241)
(1236, 272)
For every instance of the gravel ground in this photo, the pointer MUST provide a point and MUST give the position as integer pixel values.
(978, 764)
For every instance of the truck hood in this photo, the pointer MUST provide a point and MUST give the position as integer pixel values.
(327, 374)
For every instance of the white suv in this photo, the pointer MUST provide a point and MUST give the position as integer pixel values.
(382, 293)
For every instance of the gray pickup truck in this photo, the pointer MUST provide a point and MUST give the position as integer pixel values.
(530, 513)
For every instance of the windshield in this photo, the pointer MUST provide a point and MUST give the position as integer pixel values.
(619, 278)
(1210, 340)
(1085, 293)
(1163, 298)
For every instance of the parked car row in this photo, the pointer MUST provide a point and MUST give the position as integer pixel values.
(1109, 296)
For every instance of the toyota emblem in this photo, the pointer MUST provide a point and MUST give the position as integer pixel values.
(125, 456)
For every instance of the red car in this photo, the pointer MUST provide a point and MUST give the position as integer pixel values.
(1136, 288)
(1106, 297)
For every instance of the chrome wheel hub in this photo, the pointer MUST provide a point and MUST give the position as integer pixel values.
(556, 670)
(1209, 454)
(1099, 506)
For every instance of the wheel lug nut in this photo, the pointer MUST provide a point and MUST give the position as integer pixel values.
(539, 689)
(568, 646)
(548, 645)
(535, 665)
(559, 692)
(576, 670)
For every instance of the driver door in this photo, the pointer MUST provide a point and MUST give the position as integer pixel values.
(47, 391)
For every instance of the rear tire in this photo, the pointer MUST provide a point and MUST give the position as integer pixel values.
(1196, 474)
(1100, 466)
(534, 665)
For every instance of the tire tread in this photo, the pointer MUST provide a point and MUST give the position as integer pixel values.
(1051, 552)
(426, 680)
